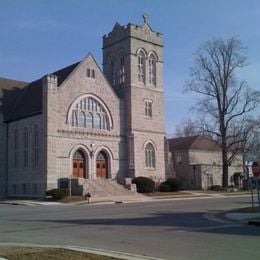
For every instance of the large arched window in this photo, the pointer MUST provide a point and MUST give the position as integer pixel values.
(149, 156)
(141, 67)
(25, 147)
(16, 149)
(35, 150)
(152, 70)
(89, 113)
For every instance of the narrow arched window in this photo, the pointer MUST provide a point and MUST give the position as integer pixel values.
(82, 119)
(152, 70)
(149, 156)
(122, 71)
(35, 146)
(113, 73)
(97, 121)
(141, 67)
(16, 149)
(90, 120)
(25, 147)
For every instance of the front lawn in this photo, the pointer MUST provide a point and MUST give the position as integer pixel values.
(28, 253)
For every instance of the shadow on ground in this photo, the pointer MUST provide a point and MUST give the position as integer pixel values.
(184, 221)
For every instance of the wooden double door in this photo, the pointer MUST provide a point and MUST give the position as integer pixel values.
(79, 165)
(101, 166)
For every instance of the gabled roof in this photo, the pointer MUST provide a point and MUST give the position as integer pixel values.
(192, 143)
(30, 100)
(10, 91)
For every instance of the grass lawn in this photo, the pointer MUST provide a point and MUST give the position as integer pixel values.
(27, 253)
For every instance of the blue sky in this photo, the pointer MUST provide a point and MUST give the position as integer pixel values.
(41, 36)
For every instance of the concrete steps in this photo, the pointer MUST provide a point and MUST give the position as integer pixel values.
(105, 190)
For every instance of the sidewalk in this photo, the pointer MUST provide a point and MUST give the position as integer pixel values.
(252, 218)
(190, 194)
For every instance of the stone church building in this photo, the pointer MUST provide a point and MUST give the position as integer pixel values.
(84, 123)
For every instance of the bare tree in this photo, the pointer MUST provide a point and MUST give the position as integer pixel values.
(252, 145)
(226, 101)
(187, 128)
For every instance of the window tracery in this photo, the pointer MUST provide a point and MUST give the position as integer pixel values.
(89, 113)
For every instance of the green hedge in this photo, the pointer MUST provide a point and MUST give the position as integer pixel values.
(144, 184)
(164, 187)
(174, 183)
(57, 194)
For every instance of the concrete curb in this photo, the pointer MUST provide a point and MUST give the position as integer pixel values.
(103, 202)
(103, 252)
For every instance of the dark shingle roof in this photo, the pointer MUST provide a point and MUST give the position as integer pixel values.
(30, 101)
(192, 143)
(10, 92)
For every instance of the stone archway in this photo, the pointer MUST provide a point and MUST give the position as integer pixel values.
(79, 164)
(102, 165)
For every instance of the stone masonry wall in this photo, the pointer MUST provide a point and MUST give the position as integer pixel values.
(29, 181)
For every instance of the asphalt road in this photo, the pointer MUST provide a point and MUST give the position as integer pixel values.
(177, 229)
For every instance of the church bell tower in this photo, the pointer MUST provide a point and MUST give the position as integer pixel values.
(132, 62)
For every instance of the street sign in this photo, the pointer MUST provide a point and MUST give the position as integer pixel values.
(256, 169)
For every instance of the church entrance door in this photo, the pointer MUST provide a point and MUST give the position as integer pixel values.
(101, 165)
(79, 165)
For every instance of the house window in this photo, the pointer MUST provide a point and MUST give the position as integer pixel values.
(152, 70)
(36, 146)
(16, 149)
(25, 147)
(149, 156)
(148, 109)
(178, 159)
(141, 67)
(122, 71)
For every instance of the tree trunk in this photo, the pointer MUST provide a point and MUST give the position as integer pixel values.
(224, 168)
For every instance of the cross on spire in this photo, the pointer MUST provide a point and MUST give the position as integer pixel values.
(145, 17)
